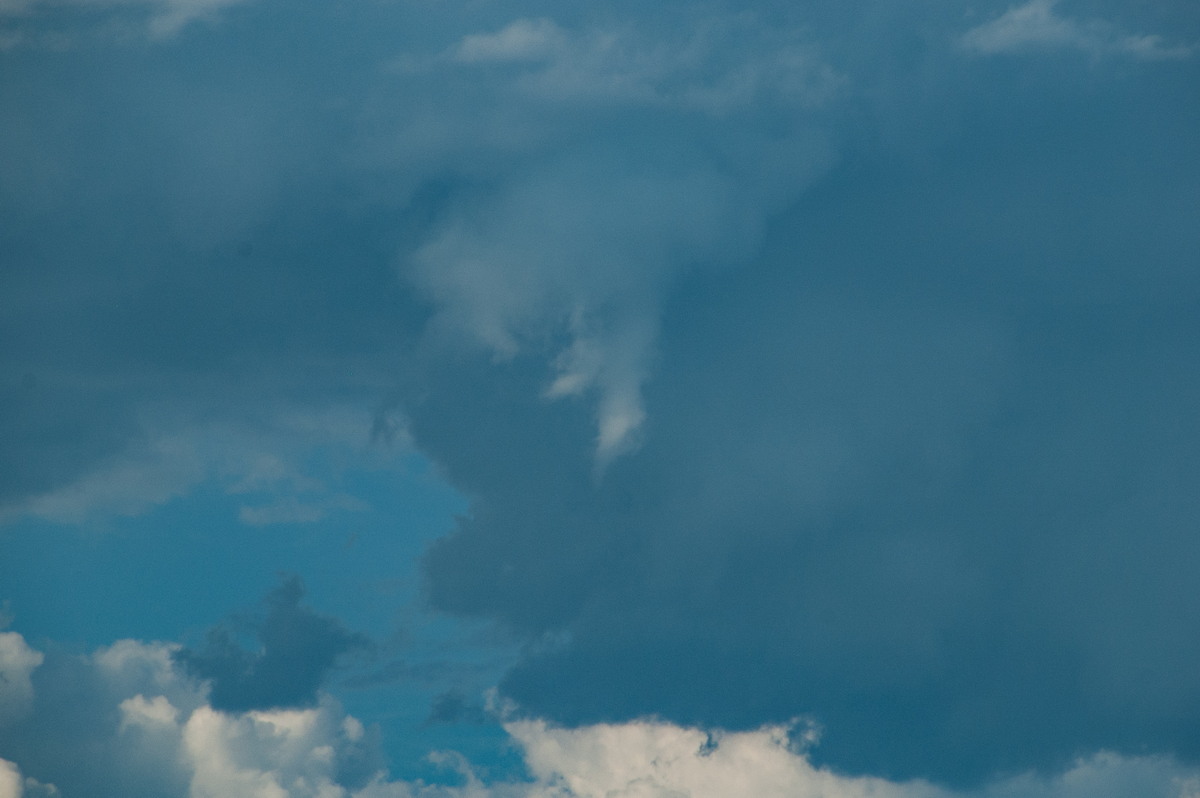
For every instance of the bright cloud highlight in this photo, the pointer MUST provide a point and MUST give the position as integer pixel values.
(161, 725)
(17, 663)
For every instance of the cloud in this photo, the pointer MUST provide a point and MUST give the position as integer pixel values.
(297, 650)
(1036, 26)
(17, 663)
(127, 720)
(10, 780)
(89, 733)
(652, 759)
(220, 341)
(157, 19)
(12, 785)
(522, 40)
(896, 469)
(656, 760)
(322, 752)
(291, 753)
(879, 349)
(575, 250)
(258, 457)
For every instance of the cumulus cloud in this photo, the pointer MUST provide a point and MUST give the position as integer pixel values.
(651, 759)
(708, 67)
(12, 785)
(1037, 26)
(656, 760)
(17, 663)
(322, 752)
(134, 724)
(127, 721)
(10, 780)
(291, 753)
(101, 723)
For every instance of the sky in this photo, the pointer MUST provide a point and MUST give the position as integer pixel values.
(527, 399)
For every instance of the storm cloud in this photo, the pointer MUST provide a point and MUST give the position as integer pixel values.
(919, 466)
(805, 365)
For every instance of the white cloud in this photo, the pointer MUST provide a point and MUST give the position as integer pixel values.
(660, 760)
(652, 759)
(17, 663)
(147, 714)
(523, 40)
(10, 780)
(164, 725)
(1037, 26)
(278, 754)
(13, 786)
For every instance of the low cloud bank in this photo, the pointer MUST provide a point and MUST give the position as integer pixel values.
(159, 735)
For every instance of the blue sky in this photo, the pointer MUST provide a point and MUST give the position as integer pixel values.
(558, 400)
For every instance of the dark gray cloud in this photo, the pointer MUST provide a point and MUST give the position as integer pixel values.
(198, 257)
(797, 360)
(297, 650)
(922, 470)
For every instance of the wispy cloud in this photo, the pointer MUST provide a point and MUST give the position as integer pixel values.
(1038, 26)
(260, 461)
(522, 40)
(157, 19)
(580, 243)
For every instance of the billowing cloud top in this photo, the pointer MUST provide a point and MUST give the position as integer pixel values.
(149, 733)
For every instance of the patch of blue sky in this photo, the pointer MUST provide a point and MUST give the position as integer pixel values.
(174, 571)
(186, 563)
